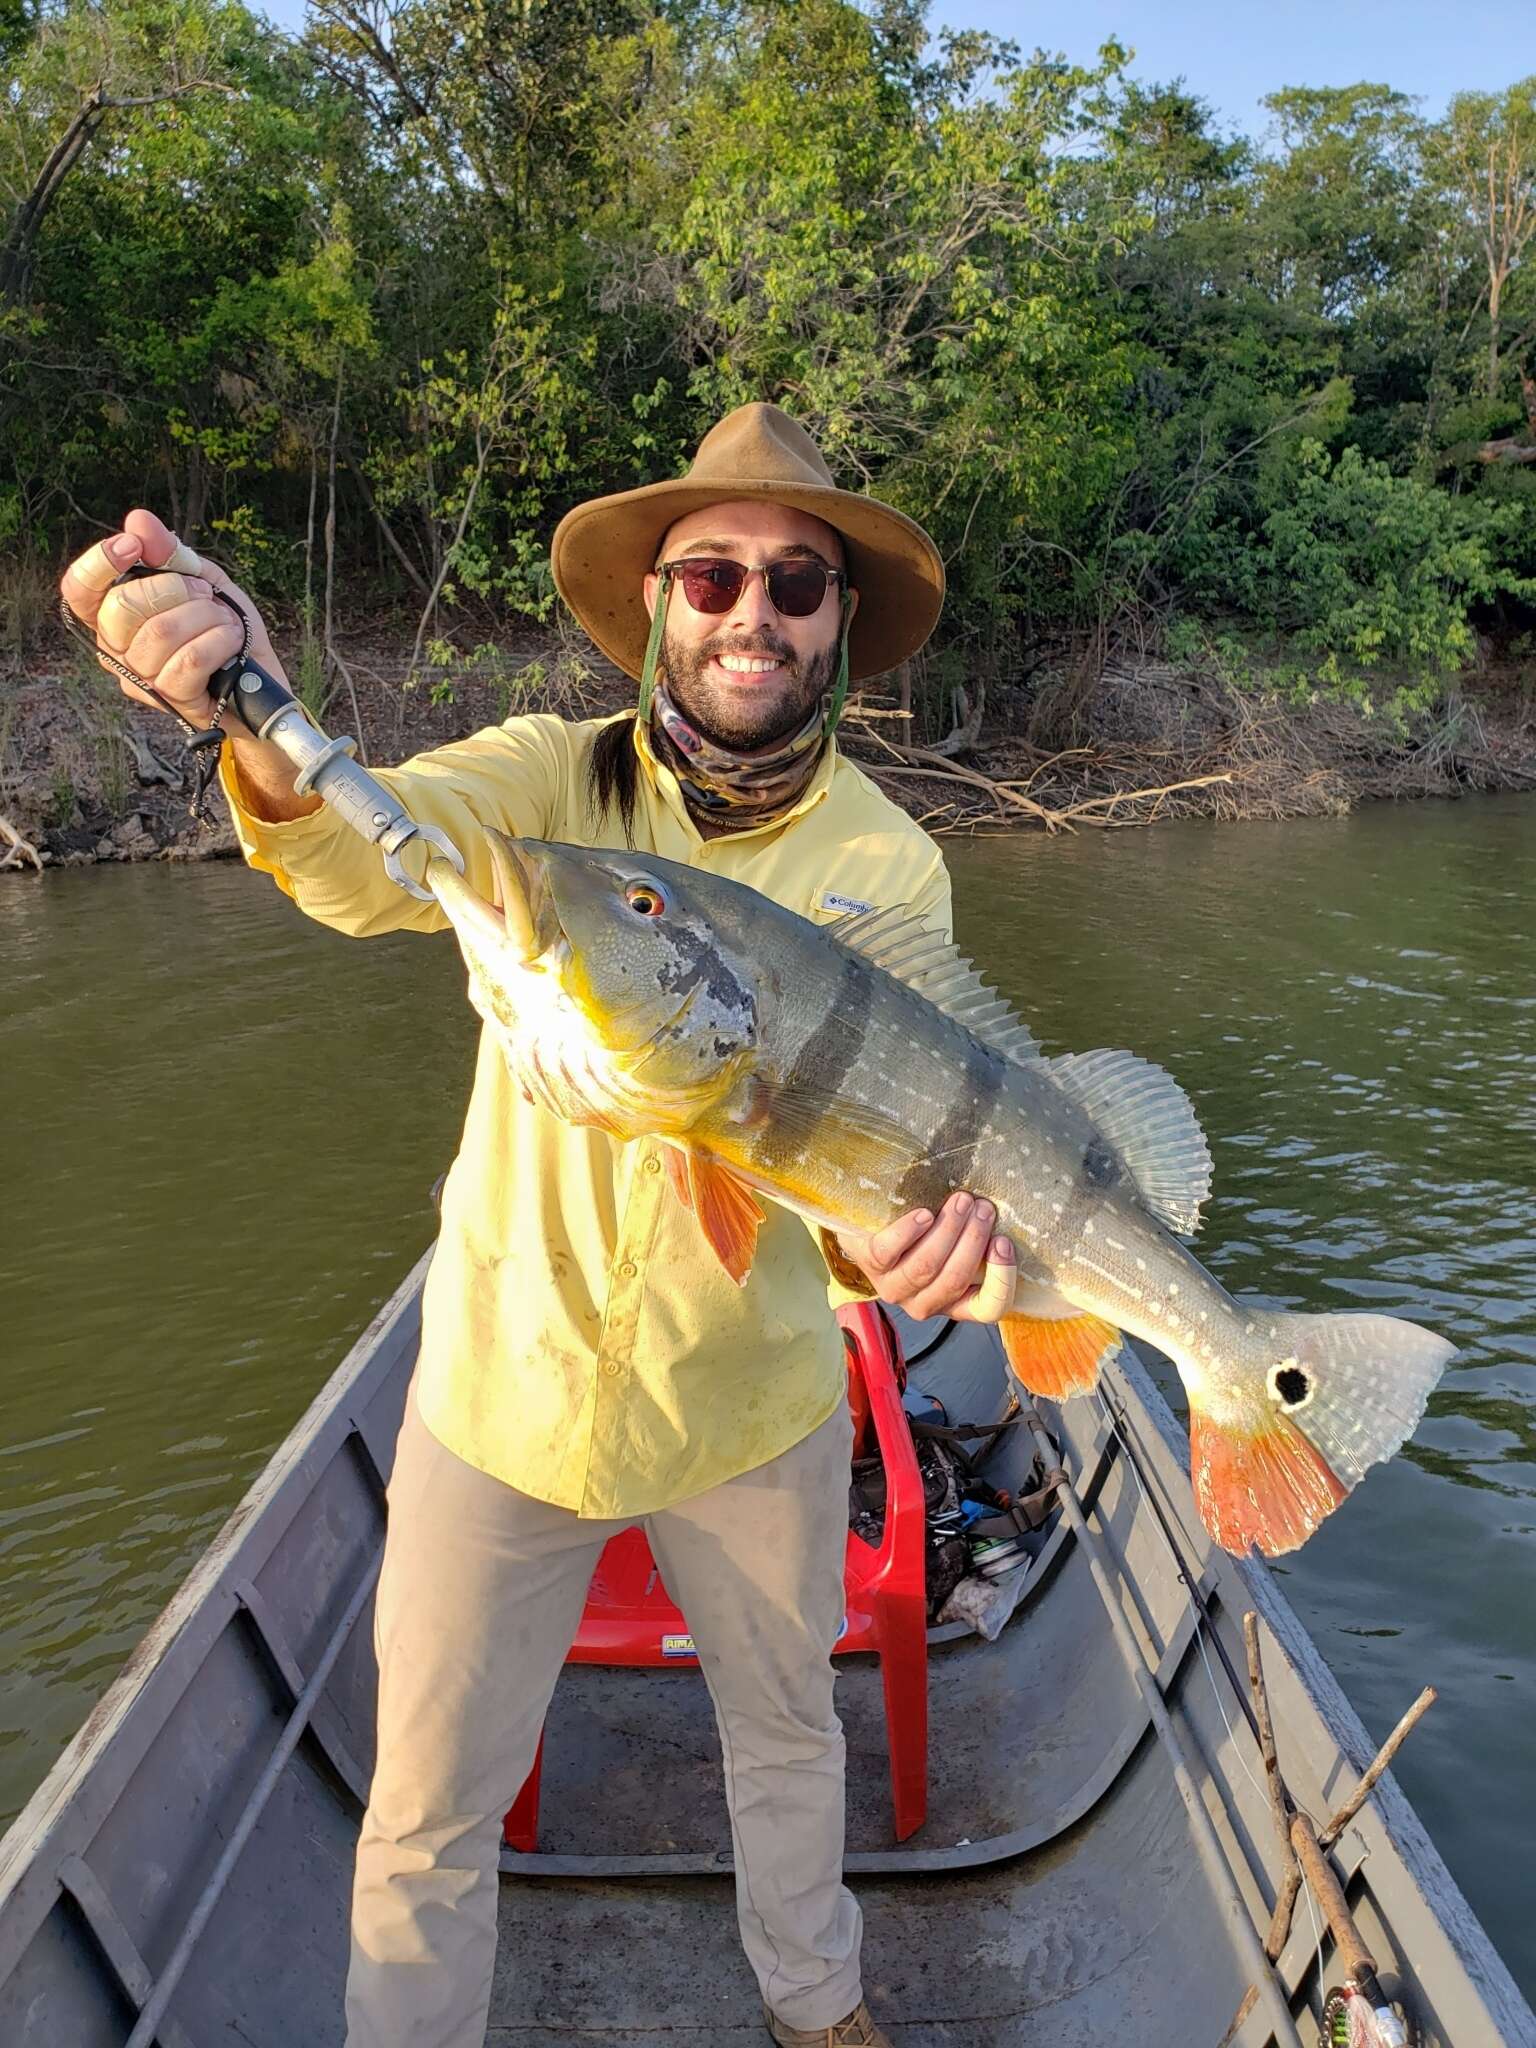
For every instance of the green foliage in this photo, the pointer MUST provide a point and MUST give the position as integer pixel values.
(364, 312)
(1373, 576)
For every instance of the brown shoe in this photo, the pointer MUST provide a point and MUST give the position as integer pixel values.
(857, 2031)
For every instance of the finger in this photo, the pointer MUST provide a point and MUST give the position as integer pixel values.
(88, 578)
(157, 543)
(894, 1241)
(124, 610)
(926, 1261)
(183, 682)
(993, 1299)
(159, 648)
(957, 1274)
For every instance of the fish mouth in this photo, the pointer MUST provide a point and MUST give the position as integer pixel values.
(520, 918)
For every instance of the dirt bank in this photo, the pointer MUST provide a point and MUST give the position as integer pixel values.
(84, 777)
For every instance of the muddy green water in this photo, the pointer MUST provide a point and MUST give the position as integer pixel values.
(221, 1123)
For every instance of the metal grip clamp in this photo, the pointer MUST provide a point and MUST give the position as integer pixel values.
(327, 767)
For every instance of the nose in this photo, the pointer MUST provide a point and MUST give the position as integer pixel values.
(752, 612)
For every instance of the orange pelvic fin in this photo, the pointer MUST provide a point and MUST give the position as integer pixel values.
(729, 1214)
(1057, 1356)
(1270, 1488)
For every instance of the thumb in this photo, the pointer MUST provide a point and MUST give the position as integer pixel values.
(156, 541)
(993, 1299)
(160, 548)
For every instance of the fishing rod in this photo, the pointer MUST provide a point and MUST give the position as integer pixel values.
(327, 768)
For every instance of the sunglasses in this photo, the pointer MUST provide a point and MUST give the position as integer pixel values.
(713, 583)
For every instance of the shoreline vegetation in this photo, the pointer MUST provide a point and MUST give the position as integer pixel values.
(87, 778)
(1228, 441)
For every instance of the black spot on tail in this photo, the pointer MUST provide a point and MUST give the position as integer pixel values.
(1292, 1385)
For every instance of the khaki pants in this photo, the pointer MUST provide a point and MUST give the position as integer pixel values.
(480, 1595)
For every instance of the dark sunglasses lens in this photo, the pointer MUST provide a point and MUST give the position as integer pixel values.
(796, 588)
(713, 586)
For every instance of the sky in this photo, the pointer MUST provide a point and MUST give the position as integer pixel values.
(1232, 52)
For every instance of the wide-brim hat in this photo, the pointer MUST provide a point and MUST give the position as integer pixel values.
(603, 549)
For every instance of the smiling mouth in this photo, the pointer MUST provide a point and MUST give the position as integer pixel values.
(757, 668)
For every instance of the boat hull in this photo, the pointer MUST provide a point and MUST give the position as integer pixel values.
(1055, 1892)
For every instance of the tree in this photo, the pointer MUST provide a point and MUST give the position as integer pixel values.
(1485, 153)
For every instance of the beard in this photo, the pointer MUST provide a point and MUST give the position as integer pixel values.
(747, 720)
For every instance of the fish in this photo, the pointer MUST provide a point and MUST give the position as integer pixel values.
(858, 1070)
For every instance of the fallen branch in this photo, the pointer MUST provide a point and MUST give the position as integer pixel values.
(17, 849)
(1394, 1742)
(147, 764)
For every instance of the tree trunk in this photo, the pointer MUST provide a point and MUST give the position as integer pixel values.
(1495, 294)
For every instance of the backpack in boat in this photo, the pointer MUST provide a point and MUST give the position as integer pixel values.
(952, 1492)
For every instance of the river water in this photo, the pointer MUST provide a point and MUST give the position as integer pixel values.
(221, 1125)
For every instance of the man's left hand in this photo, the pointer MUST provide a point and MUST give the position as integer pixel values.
(944, 1265)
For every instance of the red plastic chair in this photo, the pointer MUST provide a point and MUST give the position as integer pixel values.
(630, 1618)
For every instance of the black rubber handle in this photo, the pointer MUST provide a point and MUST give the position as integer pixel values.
(249, 691)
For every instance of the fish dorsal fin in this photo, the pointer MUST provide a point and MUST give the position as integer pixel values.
(1151, 1123)
(926, 961)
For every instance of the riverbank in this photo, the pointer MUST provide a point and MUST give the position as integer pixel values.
(85, 777)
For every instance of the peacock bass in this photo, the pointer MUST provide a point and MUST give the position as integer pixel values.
(859, 1070)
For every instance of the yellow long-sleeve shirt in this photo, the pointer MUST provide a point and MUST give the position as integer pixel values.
(580, 1340)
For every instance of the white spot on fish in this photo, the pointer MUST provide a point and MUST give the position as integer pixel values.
(1087, 1230)
(1141, 1265)
(1173, 1286)
(1248, 1329)
(1115, 1245)
(1055, 1208)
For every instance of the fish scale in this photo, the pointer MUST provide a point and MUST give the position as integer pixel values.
(858, 1071)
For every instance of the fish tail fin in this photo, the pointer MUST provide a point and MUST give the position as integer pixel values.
(1339, 1394)
(1058, 1356)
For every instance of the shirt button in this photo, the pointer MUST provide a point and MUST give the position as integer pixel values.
(653, 1164)
(611, 1367)
(628, 1269)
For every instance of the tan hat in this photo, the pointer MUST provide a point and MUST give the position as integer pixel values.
(603, 549)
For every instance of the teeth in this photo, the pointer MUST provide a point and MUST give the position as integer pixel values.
(746, 665)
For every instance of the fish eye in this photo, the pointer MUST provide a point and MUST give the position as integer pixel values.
(645, 899)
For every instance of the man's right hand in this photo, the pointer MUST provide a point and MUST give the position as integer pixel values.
(174, 632)
(169, 629)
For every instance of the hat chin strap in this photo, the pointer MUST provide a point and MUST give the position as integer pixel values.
(835, 702)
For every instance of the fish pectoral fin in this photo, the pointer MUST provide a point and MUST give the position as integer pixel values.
(729, 1214)
(1057, 1356)
(677, 1173)
(809, 1123)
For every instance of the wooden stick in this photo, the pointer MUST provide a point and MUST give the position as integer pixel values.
(1278, 1803)
(1279, 1806)
(1329, 1893)
(1352, 1805)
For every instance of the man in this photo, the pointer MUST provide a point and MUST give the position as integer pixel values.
(585, 1362)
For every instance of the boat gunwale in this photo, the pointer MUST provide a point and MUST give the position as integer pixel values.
(1304, 1679)
(174, 1648)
